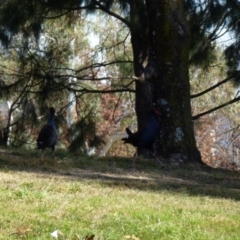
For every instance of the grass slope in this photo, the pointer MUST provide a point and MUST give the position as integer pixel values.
(91, 199)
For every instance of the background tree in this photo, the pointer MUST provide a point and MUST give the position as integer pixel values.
(213, 131)
(62, 69)
(160, 38)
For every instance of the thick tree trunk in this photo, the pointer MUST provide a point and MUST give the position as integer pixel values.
(165, 79)
(139, 39)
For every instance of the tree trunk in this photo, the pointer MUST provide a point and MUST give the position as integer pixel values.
(162, 66)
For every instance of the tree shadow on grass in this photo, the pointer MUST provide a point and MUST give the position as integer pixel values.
(190, 179)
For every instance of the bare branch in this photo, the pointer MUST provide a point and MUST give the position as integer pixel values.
(214, 86)
(216, 108)
(104, 9)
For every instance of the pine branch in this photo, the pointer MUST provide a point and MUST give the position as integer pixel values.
(210, 38)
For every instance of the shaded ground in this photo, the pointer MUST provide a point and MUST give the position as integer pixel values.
(189, 179)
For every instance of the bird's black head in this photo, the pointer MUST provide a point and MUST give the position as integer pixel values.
(155, 112)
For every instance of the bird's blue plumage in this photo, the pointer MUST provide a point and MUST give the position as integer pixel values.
(47, 137)
(145, 137)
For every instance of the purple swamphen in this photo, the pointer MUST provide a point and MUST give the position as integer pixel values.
(48, 136)
(145, 137)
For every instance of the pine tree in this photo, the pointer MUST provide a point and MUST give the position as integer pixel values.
(164, 35)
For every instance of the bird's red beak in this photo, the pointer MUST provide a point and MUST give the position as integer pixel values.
(156, 111)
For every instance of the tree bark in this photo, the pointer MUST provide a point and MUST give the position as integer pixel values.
(162, 65)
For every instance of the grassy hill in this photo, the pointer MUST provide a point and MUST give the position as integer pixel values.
(88, 198)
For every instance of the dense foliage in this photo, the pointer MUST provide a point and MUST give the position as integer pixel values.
(47, 58)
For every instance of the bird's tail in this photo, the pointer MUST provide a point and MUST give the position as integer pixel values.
(129, 132)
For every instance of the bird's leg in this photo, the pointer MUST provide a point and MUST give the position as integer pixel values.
(42, 156)
(53, 156)
(157, 159)
(134, 160)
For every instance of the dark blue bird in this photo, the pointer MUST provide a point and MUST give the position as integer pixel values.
(48, 136)
(145, 137)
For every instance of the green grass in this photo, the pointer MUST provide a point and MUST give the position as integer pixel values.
(82, 196)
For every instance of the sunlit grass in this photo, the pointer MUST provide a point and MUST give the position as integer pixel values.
(82, 196)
